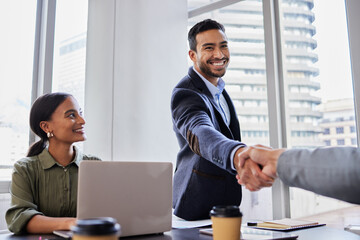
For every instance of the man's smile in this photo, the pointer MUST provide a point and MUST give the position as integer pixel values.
(221, 62)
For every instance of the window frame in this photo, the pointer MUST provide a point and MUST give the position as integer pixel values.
(43, 51)
(43, 60)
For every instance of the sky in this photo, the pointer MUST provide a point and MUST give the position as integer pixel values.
(333, 50)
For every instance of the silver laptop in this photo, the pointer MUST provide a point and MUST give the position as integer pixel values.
(137, 194)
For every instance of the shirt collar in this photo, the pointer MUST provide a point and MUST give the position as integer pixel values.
(214, 90)
(47, 161)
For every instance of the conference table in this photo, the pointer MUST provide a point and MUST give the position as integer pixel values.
(335, 222)
(323, 232)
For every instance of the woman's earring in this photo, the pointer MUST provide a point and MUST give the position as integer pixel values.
(49, 134)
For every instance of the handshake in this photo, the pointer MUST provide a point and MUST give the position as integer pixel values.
(256, 166)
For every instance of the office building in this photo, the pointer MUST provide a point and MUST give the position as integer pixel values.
(338, 123)
(69, 66)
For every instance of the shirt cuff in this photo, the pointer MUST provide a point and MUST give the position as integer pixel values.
(233, 154)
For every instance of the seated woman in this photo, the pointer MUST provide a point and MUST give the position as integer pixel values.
(44, 184)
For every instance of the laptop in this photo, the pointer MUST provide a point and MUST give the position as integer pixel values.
(137, 194)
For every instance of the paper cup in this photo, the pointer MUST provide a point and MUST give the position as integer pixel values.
(226, 222)
(96, 228)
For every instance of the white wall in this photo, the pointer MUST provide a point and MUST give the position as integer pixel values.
(136, 53)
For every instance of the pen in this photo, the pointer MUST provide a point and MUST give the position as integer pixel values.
(251, 224)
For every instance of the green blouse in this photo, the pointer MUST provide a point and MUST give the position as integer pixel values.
(41, 186)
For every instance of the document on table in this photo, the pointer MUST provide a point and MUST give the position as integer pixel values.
(286, 224)
(181, 223)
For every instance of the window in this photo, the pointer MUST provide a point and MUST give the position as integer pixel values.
(339, 130)
(16, 63)
(326, 131)
(70, 48)
(352, 129)
(307, 62)
(307, 98)
(339, 119)
(353, 142)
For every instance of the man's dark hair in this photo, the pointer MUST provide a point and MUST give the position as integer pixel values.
(202, 26)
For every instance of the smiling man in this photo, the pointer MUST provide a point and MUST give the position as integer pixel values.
(207, 129)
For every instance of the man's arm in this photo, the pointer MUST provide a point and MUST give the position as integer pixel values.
(332, 172)
(195, 122)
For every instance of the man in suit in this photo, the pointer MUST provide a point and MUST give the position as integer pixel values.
(207, 129)
(332, 172)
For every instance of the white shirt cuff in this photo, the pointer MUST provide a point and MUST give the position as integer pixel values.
(233, 154)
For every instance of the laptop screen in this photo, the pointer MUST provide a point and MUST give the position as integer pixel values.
(137, 194)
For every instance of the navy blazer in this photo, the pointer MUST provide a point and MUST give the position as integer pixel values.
(203, 176)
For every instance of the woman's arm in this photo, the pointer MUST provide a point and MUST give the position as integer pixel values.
(43, 224)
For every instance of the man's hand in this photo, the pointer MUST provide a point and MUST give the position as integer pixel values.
(256, 166)
(250, 173)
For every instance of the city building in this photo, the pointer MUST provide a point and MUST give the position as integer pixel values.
(69, 66)
(338, 123)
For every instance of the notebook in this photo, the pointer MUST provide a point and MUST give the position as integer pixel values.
(251, 234)
(286, 224)
(137, 194)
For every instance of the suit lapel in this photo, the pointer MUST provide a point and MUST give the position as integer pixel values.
(234, 122)
(233, 131)
(200, 85)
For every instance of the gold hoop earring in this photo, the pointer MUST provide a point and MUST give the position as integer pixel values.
(49, 134)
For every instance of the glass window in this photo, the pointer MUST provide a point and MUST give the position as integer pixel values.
(311, 74)
(340, 142)
(17, 24)
(352, 129)
(70, 48)
(327, 131)
(339, 130)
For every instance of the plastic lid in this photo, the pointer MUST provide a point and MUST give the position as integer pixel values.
(96, 226)
(226, 211)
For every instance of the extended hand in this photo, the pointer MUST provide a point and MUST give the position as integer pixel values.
(261, 155)
(250, 173)
(251, 176)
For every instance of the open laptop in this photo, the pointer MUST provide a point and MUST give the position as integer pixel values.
(137, 194)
